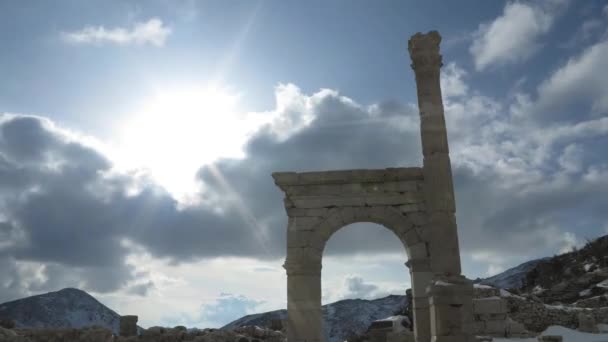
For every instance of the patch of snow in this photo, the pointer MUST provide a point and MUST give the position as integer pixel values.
(603, 284)
(505, 293)
(569, 335)
(443, 283)
(584, 293)
(588, 266)
(537, 290)
(481, 286)
(603, 328)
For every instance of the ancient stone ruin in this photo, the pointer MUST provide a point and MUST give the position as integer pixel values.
(416, 203)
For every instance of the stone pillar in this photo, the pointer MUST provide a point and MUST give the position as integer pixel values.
(450, 305)
(304, 314)
(421, 276)
(128, 326)
(438, 187)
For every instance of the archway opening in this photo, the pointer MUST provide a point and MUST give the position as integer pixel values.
(364, 279)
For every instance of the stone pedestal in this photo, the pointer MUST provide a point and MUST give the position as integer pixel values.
(449, 298)
(128, 326)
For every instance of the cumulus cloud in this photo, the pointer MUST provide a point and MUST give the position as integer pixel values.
(356, 287)
(153, 32)
(227, 308)
(513, 36)
(582, 80)
(64, 207)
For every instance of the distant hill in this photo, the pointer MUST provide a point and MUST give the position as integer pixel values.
(568, 278)
(342, 318)
(67, 308)
(513, 278)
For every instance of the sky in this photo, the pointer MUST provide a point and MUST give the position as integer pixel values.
(137, 141)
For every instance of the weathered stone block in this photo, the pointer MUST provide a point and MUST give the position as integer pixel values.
(411, 237)
(418, 251)
(586, 323)
(420, 281)
(490, 305)
(496, 327)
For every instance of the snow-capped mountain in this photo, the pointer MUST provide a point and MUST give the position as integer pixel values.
(577, 277)
(67, 308)
(512, 278)
(341, 319)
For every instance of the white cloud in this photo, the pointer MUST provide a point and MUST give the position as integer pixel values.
(583, 78)
(452, 84)
(513, 36)
(152, 32)
(571, 159)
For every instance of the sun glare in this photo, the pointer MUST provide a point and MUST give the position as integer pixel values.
(177, 131)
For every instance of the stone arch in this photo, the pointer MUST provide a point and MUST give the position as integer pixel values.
(386, 216)
(416, 203)
(408, 233)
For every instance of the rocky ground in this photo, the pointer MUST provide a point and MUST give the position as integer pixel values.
(154, 334)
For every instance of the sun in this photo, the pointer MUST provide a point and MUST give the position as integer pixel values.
(178, 130)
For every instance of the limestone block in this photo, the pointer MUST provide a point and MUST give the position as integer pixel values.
(422, 323)
(128, 325)
(306, 222)
(299, 238)
(285, 177)
(434, 133)
(412, 207)
(496, 327)
(401, 228)
(420, 302)
(298, 255)
(411, 237)
(490, 305)
(438, 185)
(313, 212)
(390, 199)
(418, 265)
(318, 240)
(586, 323)
(515, 328)
(420, 281)
(445, 320)
(479, 327)
(347, 214)
(425, 232)
(418, 251)
(418, 218)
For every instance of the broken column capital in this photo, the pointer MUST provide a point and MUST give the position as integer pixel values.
(424, 51)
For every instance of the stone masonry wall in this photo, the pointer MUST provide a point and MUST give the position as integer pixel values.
(538, 316)
(491, 305)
